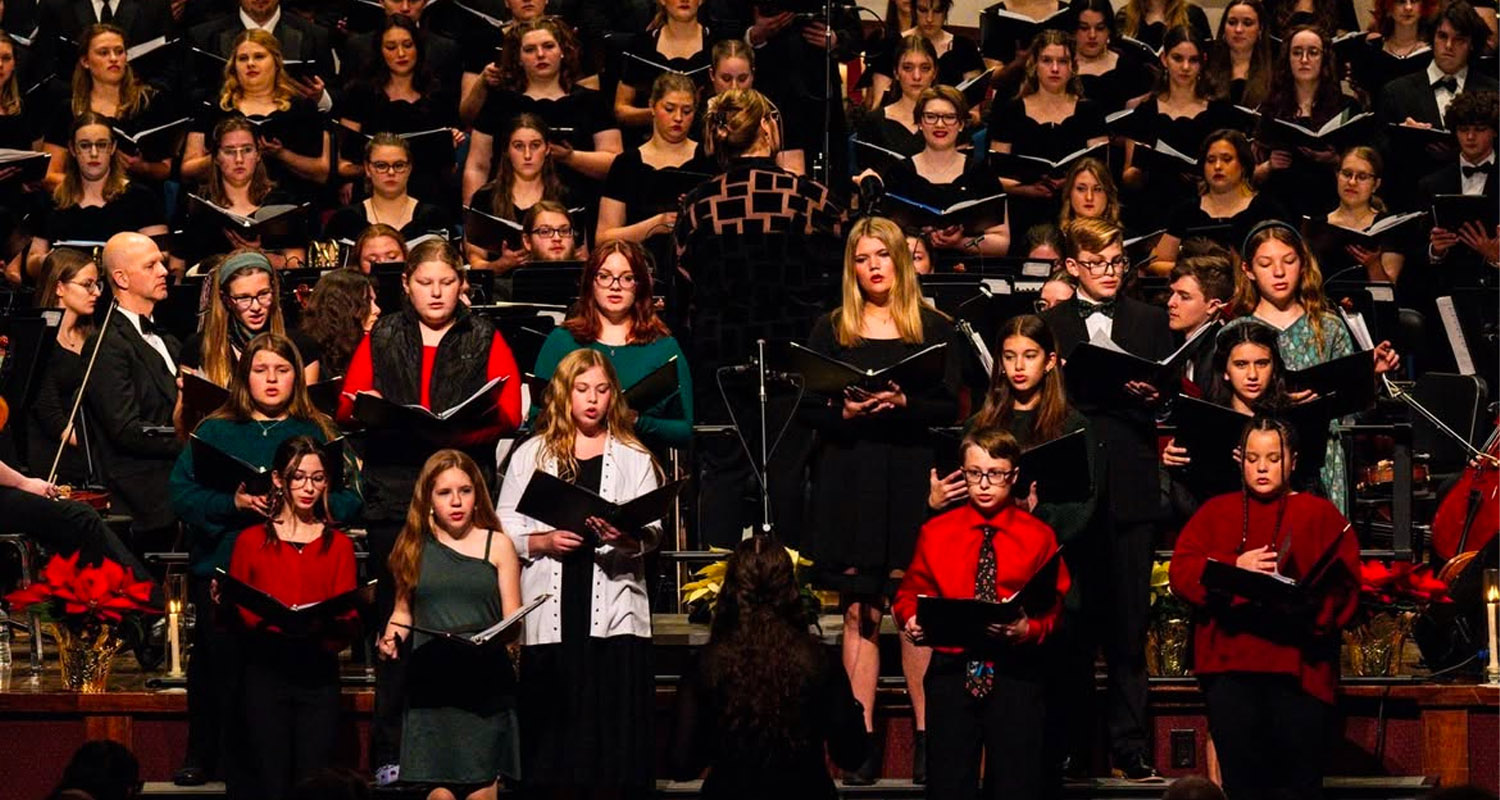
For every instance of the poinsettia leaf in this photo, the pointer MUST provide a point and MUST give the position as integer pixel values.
(60, 570)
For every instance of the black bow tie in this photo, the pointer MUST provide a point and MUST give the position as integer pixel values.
(1087, 309)
(1482, 169)
(148, 327)
(1446, 82)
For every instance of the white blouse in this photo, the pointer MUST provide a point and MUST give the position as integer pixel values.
(619, 606)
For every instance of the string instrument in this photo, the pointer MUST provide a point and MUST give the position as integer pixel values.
(1468, 516)
(4, 406)
(1383, 473)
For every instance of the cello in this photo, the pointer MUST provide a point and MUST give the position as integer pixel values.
(1468, 516)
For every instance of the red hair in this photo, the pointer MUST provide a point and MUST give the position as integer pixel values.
(645, 325)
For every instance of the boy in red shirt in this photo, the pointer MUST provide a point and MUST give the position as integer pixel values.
(992, 695)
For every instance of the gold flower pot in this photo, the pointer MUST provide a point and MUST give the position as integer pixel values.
(1167, 647)
(86, 656)
(1373, 647)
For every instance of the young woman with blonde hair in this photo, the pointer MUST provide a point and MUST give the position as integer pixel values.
(586, 679)
(875, 457)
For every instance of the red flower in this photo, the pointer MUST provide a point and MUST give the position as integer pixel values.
(105, 592)
(1401, 581)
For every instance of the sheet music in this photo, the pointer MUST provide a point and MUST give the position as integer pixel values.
(1456, 339)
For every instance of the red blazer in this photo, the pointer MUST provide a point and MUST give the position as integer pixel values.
(316, 572)
(947, 560)
(1230, 635)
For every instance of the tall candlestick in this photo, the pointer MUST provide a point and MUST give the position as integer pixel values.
(1492, 614)
(174, 641)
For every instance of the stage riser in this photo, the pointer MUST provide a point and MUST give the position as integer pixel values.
(1454, 742)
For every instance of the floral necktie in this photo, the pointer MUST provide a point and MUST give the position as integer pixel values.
(981, 674)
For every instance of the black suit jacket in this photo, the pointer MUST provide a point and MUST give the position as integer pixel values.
(64, 20)
(129, 390)
(1133, 488)
(300, 41)
(1412, 96)
(1463, 266)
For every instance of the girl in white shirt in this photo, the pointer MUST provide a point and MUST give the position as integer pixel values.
(586, 678)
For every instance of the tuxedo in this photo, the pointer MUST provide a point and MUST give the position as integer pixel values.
(1413, 96)
(1115, 563)
(132, 388)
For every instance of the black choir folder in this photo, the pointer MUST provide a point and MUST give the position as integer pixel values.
(224, 472)
(1098, 369)
(29, 165)
(1269, 588)
(279, 223)
(826, 375)
(476, 411)
(567, 507)
(973, 216)
(1351, 379)
(298, 618)
(202, 396)
(484, 637)
(1059, 467)
(658, 386)
(956, 622)
(1451, 211)
(1211, 433)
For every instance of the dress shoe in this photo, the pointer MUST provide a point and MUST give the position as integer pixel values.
(919, 758)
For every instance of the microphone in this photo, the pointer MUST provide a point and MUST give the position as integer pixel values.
(870, 191)
(753, 366)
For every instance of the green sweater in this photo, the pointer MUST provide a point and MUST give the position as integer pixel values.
(671, 421)
(212, 519)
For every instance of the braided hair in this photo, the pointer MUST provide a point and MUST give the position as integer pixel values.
(1287, 436)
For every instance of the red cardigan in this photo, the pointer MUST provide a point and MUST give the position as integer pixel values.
(316, 572)
(947, 560)
(361, 378)
(1227, 635)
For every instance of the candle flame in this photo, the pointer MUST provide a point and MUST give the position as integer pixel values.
(174, 606)
(1493, 595)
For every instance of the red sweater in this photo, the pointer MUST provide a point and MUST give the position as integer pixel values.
(361, 378)
(316, 572)
(1231, 635)
(946, 561)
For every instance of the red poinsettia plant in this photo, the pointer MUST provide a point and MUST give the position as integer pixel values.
(1400, 585)
(69, 595)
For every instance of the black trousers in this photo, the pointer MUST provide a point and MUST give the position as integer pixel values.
(214, 675)
(1271, 736)
(1008, 725)
(291, 709)
(390, 676)
(1070, 699)
(65, 527)
(1117, 600)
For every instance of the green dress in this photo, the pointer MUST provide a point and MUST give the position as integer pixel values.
(1300, 349)
(669, 423)
(460, 722)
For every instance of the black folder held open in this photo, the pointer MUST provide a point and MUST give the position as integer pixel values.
(826, 375)
(567, 507)
(1099, 370)
(958, 622)
(658, 386)
(1268, 588)
(299, 618)
(484, 637)
(475, 412)
(224, 472)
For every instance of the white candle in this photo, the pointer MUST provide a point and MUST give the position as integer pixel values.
(1492, 611)
(174, 642)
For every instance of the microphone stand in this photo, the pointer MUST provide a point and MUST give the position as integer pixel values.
(82, 385)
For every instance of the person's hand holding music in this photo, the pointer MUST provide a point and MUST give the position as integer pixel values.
(1261, 559)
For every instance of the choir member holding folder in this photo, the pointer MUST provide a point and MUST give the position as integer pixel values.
(986, 687)
(674, 44)
(527, 176)
(645, 184)
(291, 674)
(958, 58)
(389, 162)
(1121, 416)
(615, 314)
(1462, 193)
(1227, 206)
(1280, 284)
(268, 404)
(1355, 233)
(875, 453)
(1269, 668)
(243, 207)
(1049, 119)
(895, 126)
(454, 572)
(924, 187)
(586, 676)
(243, 303)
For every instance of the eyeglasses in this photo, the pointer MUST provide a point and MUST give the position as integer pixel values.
(553, 232)
(237, 153)
(1356, 177)
(92, 287)
(978, 477)
(1114, 266)
(1306, 53)
(936, 118)
(301, 479)
(390, 167)
(94, 147)
(624, 280)
(244, 301)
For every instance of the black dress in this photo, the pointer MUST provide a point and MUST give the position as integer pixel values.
(975, 182)
(882, 131)
(573, 118)
(434, 171)
(1373, 68)
(300, 129)
(1189, 219)
(1147, 209)
(202, 232)
(641, 64)
(1010, 123)
(61, 377)
(870, 475)
(349, 221)
(136, 208)
(1306, 187)
(1112, 89)
(587, 702)
(1153, 34)
(961, 58)
(629, 180)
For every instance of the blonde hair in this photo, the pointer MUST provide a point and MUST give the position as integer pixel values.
(1101, 174)
(10, 91)
(1309, 279)
(69, 193)
(906, 296)
(1133, 16)
(405, 561)
(555, 426)
(132, 92)
(217, 355)
(232, 92)
(731, 126)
